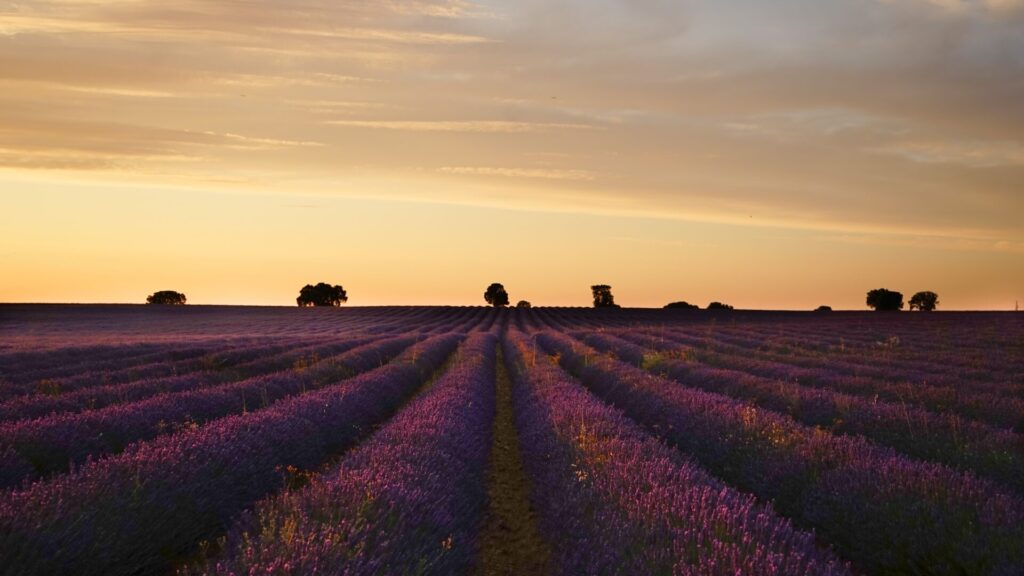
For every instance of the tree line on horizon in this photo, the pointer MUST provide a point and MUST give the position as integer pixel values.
(324, 294)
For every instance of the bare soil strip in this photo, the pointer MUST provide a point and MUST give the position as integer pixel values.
(509, 542)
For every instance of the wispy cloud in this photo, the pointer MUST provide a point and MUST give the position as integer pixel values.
(381, 35)
(977, 154)
(310, 79)
(445, 9)
(543, 173)
(126, 92)
(251, 143)
(951, 242)
(966, 7)
(746, 116)
(70, 159)
(1005, 6)
(481, 126)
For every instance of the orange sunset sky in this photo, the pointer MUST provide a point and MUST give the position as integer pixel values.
(777, 154)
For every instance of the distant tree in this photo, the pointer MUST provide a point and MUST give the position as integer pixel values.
(603, 296)
(523, 304)
(823, 308)
(166, 297)
(924, 301)
(496, 295)
(719, 306)
(682, 305)
(883, 300)
(322, 294)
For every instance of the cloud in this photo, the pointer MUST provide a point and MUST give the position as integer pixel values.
(445, 9)
(975, 154)
(543, 173)
(250, 143)
(791, 112)
(277, 81)
(1005, 7)
(479, 126)
(969, 7)
(382, 35)
(70, 159)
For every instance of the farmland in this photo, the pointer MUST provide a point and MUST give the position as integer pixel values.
(464, 440)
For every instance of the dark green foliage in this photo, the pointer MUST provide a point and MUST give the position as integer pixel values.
(322, 294)
(924, 301)
(885, 300)
(166, 297)
(603, 296)
(496, 295)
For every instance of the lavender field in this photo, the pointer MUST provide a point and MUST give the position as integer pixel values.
(468, 440)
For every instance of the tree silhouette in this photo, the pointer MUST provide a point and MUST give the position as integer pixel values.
(496, 295)
(823, 308)
(603, 296)
(924, 301)
(322, 294)
(523, 304)
(883, 300)
(166, 297)
(682, 305)
(719, 306)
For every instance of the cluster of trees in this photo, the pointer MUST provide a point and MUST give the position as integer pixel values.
(323, 294)
(684, 305)
(166, 297)
(497, 296)
(884, 300)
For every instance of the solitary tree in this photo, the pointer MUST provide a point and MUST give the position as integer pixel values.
(885, 300)
(603, 296)
(719, 306)
(924, 301)
(823, 308)
(166, 297)
(682, 305)
(523, 304)
(496, 295)
(322, 294)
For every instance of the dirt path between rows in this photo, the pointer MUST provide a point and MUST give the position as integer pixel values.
(510, 543)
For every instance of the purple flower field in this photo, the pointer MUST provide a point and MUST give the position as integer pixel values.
(241, 440)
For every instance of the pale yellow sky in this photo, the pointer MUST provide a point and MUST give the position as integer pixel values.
(771, 155)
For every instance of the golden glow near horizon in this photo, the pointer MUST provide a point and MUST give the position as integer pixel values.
(769, 155)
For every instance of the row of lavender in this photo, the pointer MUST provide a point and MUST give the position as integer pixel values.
(216, 368)
(882, 360)
(997, 403)
(147, 509)
(614, 500)
(21, 371)
(96, 388)
(611, 498)
(964, 347)
(881, 510)
(410, 500)
(978, 340)
(945, 438)
(39, 447)
(993, 402)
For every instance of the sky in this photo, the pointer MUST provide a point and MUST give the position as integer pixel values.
(780, 154)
